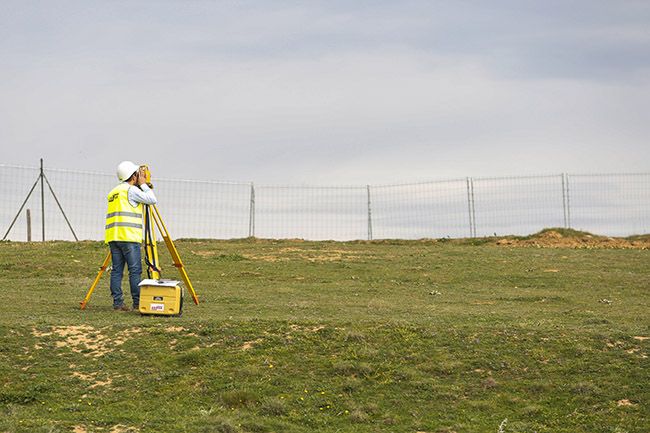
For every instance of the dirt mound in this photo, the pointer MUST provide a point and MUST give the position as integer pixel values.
(568, 238)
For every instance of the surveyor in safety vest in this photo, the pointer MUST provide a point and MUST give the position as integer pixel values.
(124, 230)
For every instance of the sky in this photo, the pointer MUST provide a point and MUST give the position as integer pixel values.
(327, 92)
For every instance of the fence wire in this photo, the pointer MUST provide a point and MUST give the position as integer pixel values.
(608, 204)
(517, 205)
(420, 210)
(611, 204)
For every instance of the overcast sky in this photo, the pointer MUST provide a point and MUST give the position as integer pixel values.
(330, 92)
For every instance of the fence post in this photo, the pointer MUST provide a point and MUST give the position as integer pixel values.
(369, 214)
(471, 182)
(251, 215)
(42, 202)
(470, 207)
(568, 200)
(564, 209)
(29, 225)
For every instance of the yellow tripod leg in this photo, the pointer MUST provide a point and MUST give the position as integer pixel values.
(151, 249)
(92, 287)
(178, 263)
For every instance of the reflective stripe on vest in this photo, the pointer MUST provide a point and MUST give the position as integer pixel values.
(119, 224)
(123, 221)
(131, 214)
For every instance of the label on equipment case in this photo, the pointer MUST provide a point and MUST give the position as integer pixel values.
(157, 307)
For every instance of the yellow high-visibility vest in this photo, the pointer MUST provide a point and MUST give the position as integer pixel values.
(123, 221)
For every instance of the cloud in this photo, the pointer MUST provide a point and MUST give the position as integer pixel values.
(328, 92)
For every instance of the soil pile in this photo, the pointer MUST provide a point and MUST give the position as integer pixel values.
(567, 238)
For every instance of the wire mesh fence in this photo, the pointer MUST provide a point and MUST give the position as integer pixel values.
(613, 204)
(421, 210)
(518, 205)
(65, 204)
(316, 213)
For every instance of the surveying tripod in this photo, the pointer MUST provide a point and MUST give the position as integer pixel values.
(150, 212)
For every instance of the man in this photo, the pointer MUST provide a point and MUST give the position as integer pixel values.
(124, 230)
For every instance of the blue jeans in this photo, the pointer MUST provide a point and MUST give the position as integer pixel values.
(129, 253)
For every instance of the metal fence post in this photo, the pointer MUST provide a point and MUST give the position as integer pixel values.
(251, 215)
(470, 207)
(369, 214)
(564, 208)
(471, 183)
(42, 202)
(568, 200)
(29, 225)
(564, 200)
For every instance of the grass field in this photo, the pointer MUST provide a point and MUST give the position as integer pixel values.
(292, 336)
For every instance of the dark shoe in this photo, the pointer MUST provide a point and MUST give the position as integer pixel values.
(122, 307)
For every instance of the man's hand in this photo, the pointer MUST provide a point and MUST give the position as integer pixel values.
(140, 179)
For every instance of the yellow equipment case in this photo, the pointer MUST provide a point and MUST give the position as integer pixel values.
(161, 297)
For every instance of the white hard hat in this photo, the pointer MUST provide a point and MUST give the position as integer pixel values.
(125, 169)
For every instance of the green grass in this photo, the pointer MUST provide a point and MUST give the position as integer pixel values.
(292, 336)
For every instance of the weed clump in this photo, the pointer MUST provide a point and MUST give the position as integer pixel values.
(234, 257)
(239, 398)
(217, 425)
(359, 416)
(273, 406)
(354, 336)
(348, 368)
(584, 388)
(193, 358)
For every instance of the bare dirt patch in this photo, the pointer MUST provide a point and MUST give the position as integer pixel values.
(92, 377)
(204, 253)
(99, 383)
(84, 339)
(84, 376)
(180, 329)
(307, 328)
(249, 344)
(263, 257)
(333, 256)
(120, 428)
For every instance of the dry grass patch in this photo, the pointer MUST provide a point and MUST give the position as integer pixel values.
(313, 256)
